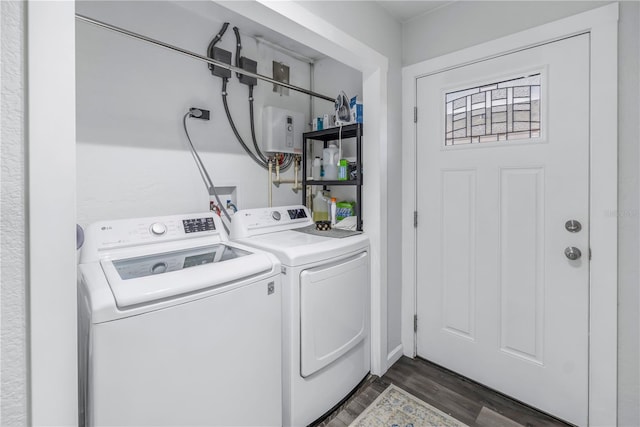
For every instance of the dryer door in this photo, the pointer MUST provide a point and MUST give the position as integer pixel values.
(334, 311)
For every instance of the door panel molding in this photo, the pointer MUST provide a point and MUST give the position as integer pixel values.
(458, 231)
(602, 25)
(520, 283)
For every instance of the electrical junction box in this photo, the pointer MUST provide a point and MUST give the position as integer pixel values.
(249, 65)
(282, 130)
(222, 56)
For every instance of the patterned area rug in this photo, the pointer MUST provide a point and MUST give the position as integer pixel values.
(397, 408)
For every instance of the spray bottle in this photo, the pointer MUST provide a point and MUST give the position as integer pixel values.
(333, 211)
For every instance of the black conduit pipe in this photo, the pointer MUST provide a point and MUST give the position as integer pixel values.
(235, 130)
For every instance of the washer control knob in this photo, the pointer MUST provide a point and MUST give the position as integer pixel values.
(159, 268)
(158, 228)
(275, 215)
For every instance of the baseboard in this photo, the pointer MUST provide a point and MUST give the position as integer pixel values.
(394, 356)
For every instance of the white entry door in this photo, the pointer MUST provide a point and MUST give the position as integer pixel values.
(503, 181)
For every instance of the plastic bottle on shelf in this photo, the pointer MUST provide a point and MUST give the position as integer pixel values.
(330, 162)
(316, 169)
(343, 170)
(333, 211)
(320, 208)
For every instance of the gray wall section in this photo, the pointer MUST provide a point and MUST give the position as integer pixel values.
(628, 214)
(13, 338)
(466, 23)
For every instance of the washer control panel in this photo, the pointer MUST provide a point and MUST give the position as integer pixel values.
(198, 225)
(106, 235)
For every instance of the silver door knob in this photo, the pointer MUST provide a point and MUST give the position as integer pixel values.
(572, 253)
(573, 226)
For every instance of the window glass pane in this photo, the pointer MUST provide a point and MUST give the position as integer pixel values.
(500, 111)
(460, 102)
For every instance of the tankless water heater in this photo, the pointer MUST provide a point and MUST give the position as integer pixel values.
(282, 130)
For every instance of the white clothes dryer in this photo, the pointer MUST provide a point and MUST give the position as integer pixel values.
(177, 326)
(326, 307)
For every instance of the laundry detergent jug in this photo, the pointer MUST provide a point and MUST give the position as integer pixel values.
(320, 208)
(330, 162)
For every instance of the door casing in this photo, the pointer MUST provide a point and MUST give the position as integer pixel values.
(602, 25)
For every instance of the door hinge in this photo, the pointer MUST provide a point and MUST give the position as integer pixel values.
(589, 254)
(415, 219)
(415, 114)
(415, 323)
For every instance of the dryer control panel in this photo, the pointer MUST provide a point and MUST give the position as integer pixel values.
(251, 222)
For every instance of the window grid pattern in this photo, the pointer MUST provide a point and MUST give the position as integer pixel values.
(502, 111)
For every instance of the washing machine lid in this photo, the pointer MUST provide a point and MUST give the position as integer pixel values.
(156, 276)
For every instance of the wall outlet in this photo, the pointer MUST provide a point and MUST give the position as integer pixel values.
(199, 113)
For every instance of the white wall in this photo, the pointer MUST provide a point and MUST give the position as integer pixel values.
(13, 341)
(133, 158)
(467, 23)
(371, 24)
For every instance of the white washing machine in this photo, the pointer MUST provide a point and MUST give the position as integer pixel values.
(326, 307)
(177, 326)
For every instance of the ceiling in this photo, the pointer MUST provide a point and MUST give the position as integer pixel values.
(402, 11)
(405, 10)
(217, 13)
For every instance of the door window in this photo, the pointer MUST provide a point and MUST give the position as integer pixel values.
(499, 111)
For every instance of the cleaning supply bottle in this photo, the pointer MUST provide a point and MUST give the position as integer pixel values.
(320, 208)
(330, 162)
(333, 211)
(344, 209)
(316, 169)
(342, 170)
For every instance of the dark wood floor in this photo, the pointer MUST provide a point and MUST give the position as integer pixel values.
(463, 399)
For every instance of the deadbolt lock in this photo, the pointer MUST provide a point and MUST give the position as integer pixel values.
(573, 226)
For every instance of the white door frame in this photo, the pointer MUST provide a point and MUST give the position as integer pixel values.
(51, 195)
(602, 25)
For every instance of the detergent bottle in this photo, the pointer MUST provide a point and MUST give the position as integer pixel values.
(320, 208)
(330, 162)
